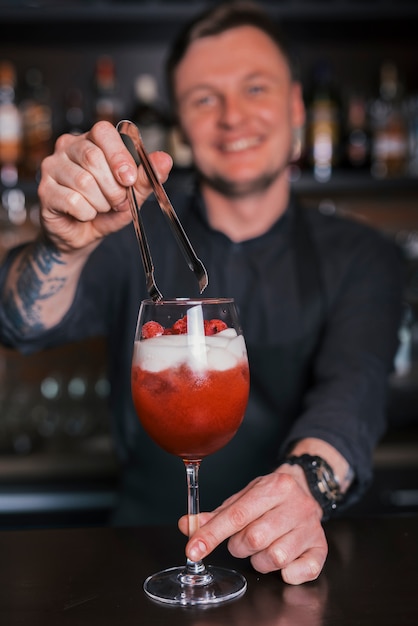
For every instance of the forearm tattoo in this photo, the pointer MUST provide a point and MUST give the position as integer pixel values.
(33, 286)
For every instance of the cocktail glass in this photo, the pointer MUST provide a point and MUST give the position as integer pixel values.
(190, 384)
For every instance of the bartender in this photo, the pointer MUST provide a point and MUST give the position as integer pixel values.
(319, 298)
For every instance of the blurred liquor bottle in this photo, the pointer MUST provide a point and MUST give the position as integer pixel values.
(75, 121)
(36, 111)
(357, 142)
(412, 117)
(107, 103)
(389, 127)
(11, 132)
(148, 113)
(323, 126)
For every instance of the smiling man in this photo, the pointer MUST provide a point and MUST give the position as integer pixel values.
(319, 299)
(238, 109)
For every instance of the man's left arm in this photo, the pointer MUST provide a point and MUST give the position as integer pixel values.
(276, 520)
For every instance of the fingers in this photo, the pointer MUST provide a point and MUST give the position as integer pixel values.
(274, 521)
(183, 523)
(120, 163)
(95, 169)
(84, 184)
(85, 169)
(73, 191)
(305, 568)
(299, 553)
(230, 518)
(77, 179)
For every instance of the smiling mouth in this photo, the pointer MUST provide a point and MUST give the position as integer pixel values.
(241, 144)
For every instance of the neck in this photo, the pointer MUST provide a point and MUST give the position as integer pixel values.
(248, 217)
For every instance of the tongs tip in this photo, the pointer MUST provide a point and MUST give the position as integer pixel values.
(203, 281)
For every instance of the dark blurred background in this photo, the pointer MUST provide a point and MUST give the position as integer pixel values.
(67, 63)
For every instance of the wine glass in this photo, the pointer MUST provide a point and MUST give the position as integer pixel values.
(190, 384)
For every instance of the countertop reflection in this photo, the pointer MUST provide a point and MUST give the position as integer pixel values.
(90, 576)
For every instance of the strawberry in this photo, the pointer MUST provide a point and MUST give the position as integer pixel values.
(214, 326)
(180, 327)
(151, 329)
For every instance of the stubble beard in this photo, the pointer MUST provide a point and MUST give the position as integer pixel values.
(242, 189)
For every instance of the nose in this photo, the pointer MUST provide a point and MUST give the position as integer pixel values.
(232, 110)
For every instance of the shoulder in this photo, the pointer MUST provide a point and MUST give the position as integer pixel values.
(344, 236)
(350, 250)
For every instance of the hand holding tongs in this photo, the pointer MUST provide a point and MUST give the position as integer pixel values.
(132, 139)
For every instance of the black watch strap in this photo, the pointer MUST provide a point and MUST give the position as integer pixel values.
(321, 481)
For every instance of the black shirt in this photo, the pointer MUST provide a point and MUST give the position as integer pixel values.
(319, 301)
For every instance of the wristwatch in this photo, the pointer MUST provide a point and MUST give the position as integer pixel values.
(321, 481)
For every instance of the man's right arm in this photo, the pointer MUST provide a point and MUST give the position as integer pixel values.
(40, 286)
(83, 198)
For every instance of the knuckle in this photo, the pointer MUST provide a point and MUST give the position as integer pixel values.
(285, 483)
(83, 180)
(238, 516)
(42, 188)
(278, 557)
(301, 571)
(211, 539)
(91, 155)
(77, 207)
(255, 539)
(314, 569)
(46, 164)
(101, 127)
(62, 142)
(269, 560)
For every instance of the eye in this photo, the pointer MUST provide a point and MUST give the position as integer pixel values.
(256, 88)
(203, 100)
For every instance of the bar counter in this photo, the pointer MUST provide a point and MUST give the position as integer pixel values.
(93, 576)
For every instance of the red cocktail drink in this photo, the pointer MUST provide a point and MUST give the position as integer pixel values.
(190, 386)
(193, 407)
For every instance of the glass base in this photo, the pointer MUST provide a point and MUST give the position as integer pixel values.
(175, 586)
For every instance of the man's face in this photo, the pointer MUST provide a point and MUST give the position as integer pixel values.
(237, 107)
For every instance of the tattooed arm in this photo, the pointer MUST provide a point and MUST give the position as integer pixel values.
(83, 197)
(40, 287)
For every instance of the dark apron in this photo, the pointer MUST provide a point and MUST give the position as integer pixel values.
(154, 487)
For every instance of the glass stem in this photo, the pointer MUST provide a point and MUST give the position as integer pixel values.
(195, 572)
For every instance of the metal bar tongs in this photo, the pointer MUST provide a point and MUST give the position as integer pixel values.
(131, 137)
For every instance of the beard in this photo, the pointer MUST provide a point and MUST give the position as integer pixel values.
(235, 190)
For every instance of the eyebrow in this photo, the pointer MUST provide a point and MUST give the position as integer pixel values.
(208, 87)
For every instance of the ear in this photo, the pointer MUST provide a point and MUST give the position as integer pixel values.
(298, 107)
(179, 147)
(298, 117)
(181, 136)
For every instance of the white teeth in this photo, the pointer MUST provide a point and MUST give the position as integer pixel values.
(241, 144)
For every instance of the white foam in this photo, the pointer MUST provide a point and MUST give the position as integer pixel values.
(220, 359)
(228, 332)
(237, 347)
(216, 352)
(217, 341)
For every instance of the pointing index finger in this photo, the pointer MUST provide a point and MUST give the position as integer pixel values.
(225, 523)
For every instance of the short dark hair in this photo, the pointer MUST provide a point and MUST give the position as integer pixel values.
(216, 20)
